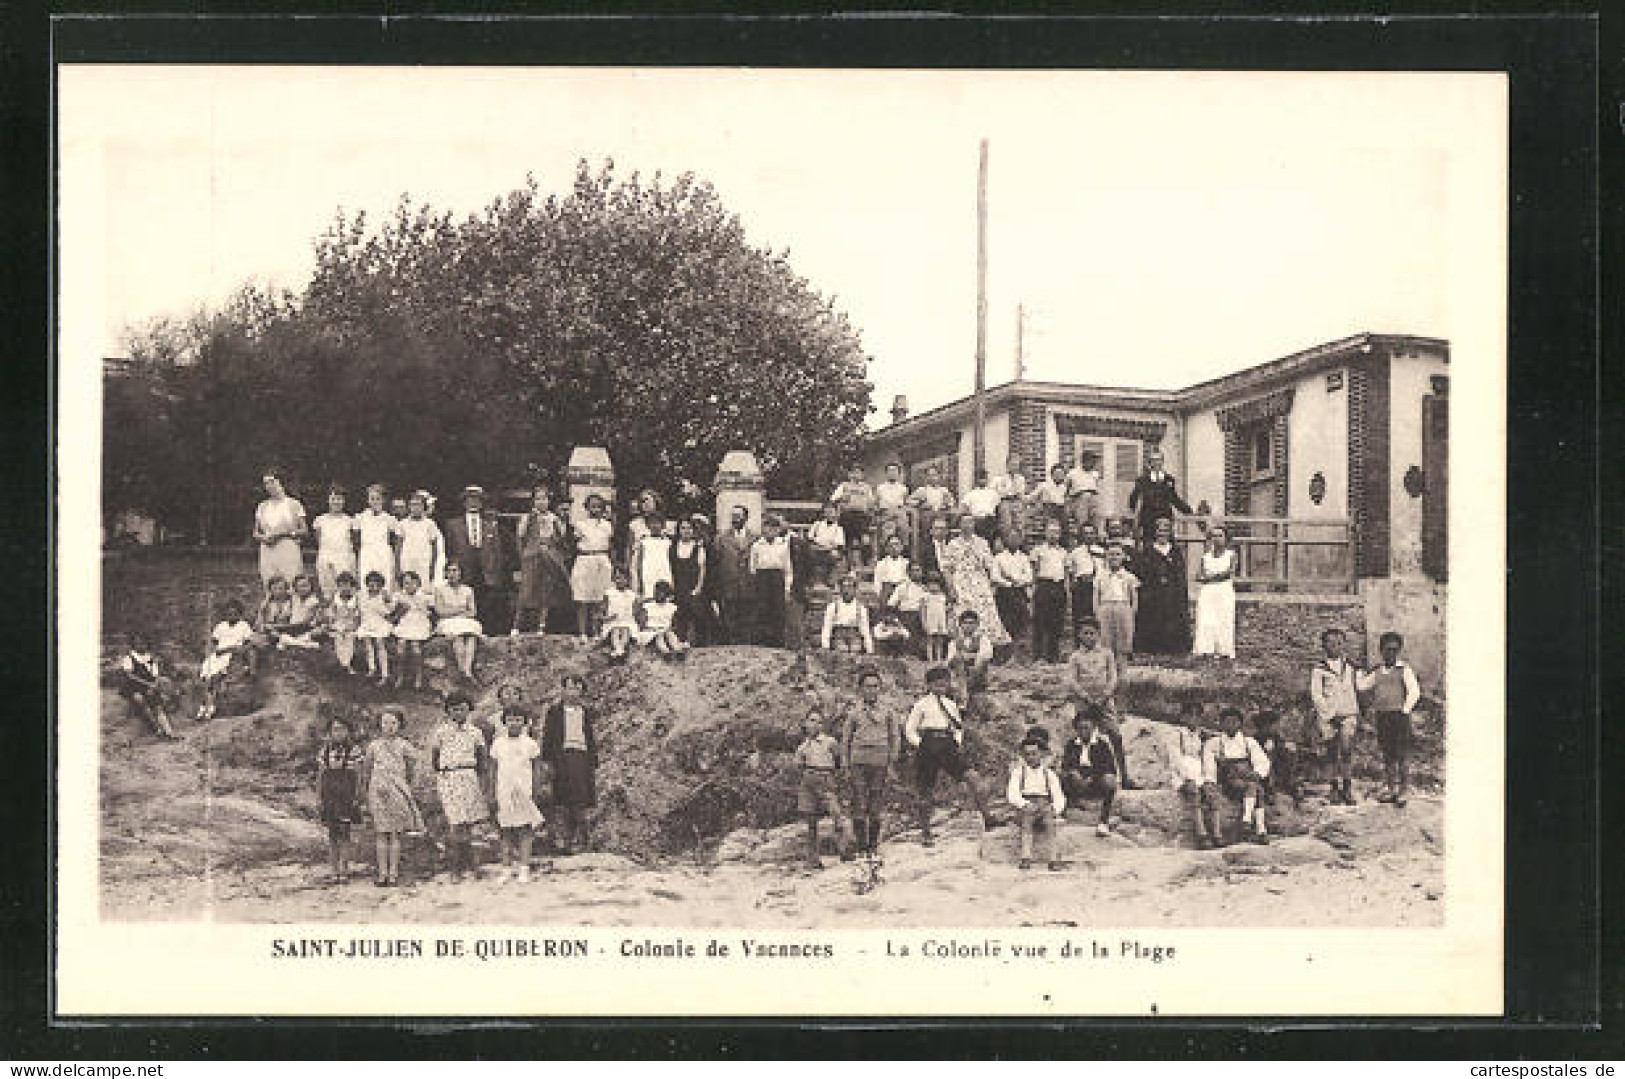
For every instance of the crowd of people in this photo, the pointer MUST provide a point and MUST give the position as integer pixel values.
(953, 582)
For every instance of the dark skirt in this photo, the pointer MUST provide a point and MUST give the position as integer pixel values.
(1012, 605)
(338, 792)
(1162, 626)
(770, 607)
(573, 783)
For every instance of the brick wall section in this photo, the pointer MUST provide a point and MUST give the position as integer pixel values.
(1235, 472)
(1368, 463)
(1029, 437)
(1278, 457)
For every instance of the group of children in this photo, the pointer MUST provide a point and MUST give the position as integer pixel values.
(485, 770)
(1250, 768)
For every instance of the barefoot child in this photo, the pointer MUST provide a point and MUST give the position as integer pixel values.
(338, 779)
(570, 747)
(143, 683)
(1090, 767)
(1394, 692)
(458, 756)
(1337, 711)
(413, 627)
(517, 762)
(457, 619)
(230, 640)
(936, 733)
(1034, 791)
(389, 767)
(818, 758)
(1234, 764)
(344, 619)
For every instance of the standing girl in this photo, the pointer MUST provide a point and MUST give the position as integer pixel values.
(338, 779)
(651, 557)
(423, 548)
(1216, 600)
(457, 755)
(379, 534)
(344, 617)
(544, 581)
(389, 767)
(377, 627)
(590, 576)
(570, 745)
(279, 522)
(516, 760)
(335, 542)
(688, 581)
(934, 619)
(414, 626)
(459, 620)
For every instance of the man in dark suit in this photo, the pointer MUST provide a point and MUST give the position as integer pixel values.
(932, 546)
(1154, 496)
(734, 595)
(475, 541)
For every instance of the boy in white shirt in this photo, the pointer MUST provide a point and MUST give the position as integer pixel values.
(983, 503)
(1234, 764)
(1012, 491)
(1034, 791)
(891, 507)
(1082, 563)
(828, 541)
(1050, 495)
(929, 500)
(905, 603)
(1049, 567)
(1083, 490)
(1011, 578)
(846, 621)
(936, 732)
(1337, 713)
(892, 570)
(856, 499)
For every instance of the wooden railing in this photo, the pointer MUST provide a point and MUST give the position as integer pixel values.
(1279, 554)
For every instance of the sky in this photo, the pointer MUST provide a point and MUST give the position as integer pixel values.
(1160, 228)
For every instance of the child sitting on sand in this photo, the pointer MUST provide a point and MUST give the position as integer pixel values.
(229, 641)
(1035, 793)
(620, 618)
(657, 632)
(143, 683)
(1233, 764)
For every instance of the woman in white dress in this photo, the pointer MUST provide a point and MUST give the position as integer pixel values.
(1216, 601)
(279, 523)
(380, 534)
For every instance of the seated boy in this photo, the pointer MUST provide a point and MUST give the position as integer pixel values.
(1283, 755)
(970, 654)
(144, 684)
(1233, 765)
(1090, 767)
(846, 621)
(905, 602)
(1093, 673)
(1035, 792)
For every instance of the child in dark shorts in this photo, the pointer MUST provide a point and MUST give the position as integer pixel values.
(1233, 765)
(1394, 692)
(1089, 763)
(936, 731)
(338, 780)
(818, 758)
(1283, 755)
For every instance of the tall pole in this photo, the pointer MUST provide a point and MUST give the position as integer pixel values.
(1021, 352)
(979, 455)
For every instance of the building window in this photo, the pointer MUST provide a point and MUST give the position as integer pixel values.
(1260, 440)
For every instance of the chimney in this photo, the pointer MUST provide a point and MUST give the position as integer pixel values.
(899, 409)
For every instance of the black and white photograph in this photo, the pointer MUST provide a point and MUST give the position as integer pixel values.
(850, 514)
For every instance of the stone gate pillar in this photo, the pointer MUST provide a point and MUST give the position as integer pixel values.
(589, 472)
(740, 482)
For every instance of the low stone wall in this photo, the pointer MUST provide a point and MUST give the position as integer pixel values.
(1288, 627)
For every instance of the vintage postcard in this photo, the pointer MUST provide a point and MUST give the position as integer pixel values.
(685, 542)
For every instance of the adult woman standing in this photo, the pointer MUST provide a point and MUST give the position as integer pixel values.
(688, 571)
(1162, 626)
(544, 580)
(967, 567)
(279, 523)
(1216, 601)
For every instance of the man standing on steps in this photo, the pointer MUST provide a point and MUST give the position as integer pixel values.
(936, 732)
(869, 743)
(733, 577)
(474, 541)
(1154, 497)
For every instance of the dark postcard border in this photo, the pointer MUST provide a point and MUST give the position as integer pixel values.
(1552, 903)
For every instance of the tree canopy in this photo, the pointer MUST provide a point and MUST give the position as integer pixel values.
(432, 351)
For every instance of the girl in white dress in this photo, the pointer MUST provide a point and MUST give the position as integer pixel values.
(231, 635)
(335, 543)
(515, 756)
(422, 546)
(377, 626)
(380, 532)
(414, 626)
(658, 615)
(651, 558)
(279, 522)
(620, 617)
(590, 576)
(1216, 602)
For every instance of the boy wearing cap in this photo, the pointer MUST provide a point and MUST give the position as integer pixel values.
(1034, 791)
